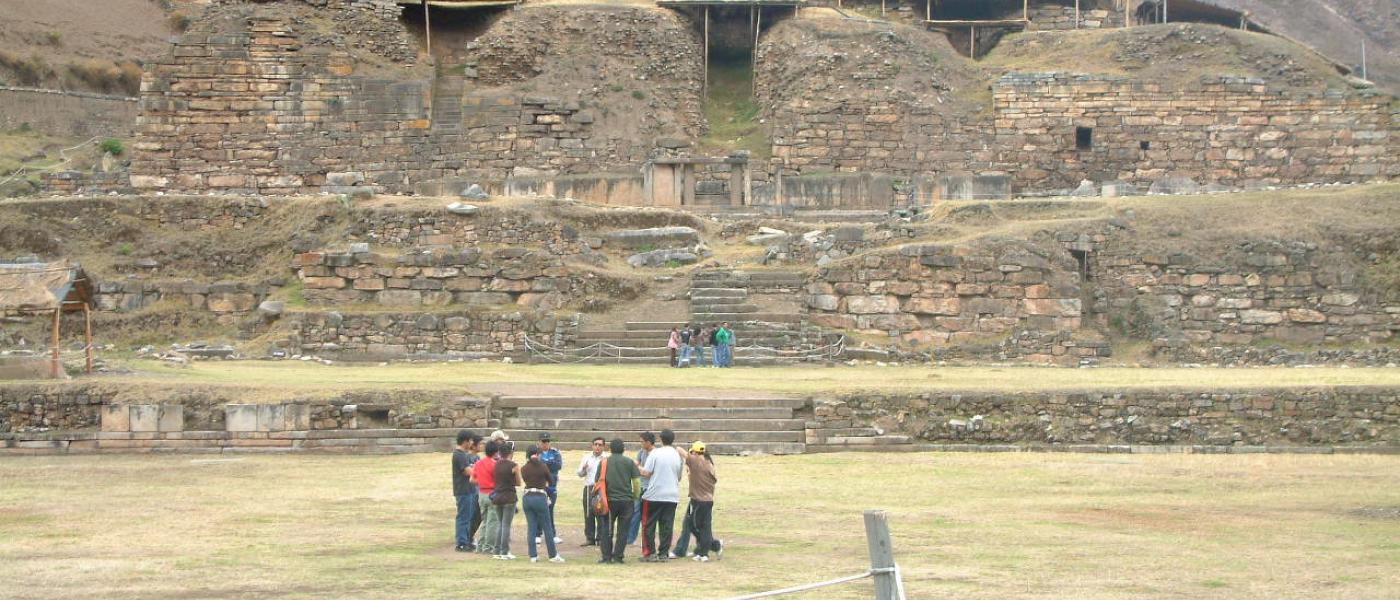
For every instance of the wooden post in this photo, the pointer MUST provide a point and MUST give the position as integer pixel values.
(1026, 10)
(56, 367)
(705, 89)
(882, 8)
(928, 10)
(87, 334)
(757, 26)
(1164, 11)
(1076, 14)
(428, 26)
(972, 36)
(877, 538)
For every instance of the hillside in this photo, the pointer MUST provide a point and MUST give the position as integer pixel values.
(84, 45)
(1336, 28)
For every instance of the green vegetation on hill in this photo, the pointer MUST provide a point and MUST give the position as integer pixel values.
(732, 113)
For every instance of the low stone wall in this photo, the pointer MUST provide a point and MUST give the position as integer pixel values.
(506, 276)
(1360, 417)
(76, 417)
(224, 298)
(949, 295)
(1052, 17)
(403, 335)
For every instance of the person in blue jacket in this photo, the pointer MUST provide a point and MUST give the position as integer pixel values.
(552, 458)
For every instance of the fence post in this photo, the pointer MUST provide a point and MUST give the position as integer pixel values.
(877, 537)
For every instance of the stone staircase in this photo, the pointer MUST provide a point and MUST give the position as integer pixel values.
(448, 91)
(757, 424)
(720, 295)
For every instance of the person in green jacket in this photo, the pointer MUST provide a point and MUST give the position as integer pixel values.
(724, 345)
(624, 486)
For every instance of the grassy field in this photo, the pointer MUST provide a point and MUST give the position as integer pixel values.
(965, 525)
(303, 377)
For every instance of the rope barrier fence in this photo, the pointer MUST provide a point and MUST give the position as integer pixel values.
(609, 351)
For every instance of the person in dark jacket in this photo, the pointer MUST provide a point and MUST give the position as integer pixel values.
(624, 482)
(507, 477)
(535, 502)
(463, 458)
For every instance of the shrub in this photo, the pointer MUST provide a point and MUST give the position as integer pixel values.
(180, 22)
(55, 38)
(638, 94)
(126, 249)
(112, 146)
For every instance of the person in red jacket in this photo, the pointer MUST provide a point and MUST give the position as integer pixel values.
(483, 475)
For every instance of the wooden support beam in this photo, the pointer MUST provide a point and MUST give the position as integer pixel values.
(972, 37)
(55, 366)
(428, 26)
(757, 27)
(928, 10)
(87, 335)
(1026, 9)
(1076, 14)
(705, 87)
(877, 540)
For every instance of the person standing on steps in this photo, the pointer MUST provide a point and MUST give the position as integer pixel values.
(588, 471)
(507, 477)
(463, 458)
(484, 476)
(535, 502)
(662, 495)
(686, 335)
(623, 482)
(715, 348)
(698, 338)
(674, 345)
(552, 458)
(724, 343)
(699, 514)
(648, 442)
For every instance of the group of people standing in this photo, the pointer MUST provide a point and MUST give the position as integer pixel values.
(488, 483)
(641, 495)
(688, 343)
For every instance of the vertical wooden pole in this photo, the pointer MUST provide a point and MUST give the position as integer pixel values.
(1164, 11)
(55, 366)
(428, 26)
(882, 8)
(757, 26)
(87, 334)
(928, 10)
(877, 538)
(705, 91)
(1025, 10)
(972, 37)
(1076, 14)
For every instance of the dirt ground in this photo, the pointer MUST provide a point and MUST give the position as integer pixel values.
(1003, 526)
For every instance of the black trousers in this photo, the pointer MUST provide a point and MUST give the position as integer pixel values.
(656, 514)
(612, 539)
(700, 517)
(591, 521)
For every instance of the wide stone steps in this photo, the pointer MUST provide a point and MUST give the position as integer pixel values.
(762, 317)
(647, 402)
(628, 434)
(660, 337)
(710, 293)
(657, 412)
(726, 425)
(658, 424)
(709, 308)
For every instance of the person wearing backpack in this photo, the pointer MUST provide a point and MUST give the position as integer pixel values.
(621, 483)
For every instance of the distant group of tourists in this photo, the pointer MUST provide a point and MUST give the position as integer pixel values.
(688, 343)
(622, 498)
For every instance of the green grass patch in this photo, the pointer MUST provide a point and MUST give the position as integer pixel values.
(732, 113)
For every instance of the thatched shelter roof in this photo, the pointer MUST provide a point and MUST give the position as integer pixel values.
(42, 287)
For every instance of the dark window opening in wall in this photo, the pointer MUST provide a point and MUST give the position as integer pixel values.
(1082, 257)
(372, 418)
(1083, 138)
(1145, 145)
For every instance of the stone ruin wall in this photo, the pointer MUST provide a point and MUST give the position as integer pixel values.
(1224, 130)
(265, 110)
(1257, 292)
(940, 295)
(1027, 300)
(1213, 421)
(37, 418)
(463, 276)
(404, 334)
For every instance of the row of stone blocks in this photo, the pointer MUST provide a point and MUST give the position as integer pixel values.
(165, 418)
(364, 441)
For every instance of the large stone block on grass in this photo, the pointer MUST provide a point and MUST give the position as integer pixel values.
(145, 417)
(171, 418)
(241, 417)
(116, 417)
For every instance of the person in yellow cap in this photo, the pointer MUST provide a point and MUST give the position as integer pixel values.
(699, 515)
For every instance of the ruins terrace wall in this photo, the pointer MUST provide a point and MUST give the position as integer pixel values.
(1226, 130)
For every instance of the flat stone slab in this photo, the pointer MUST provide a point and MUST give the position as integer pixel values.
(654, 236)
(658, 258)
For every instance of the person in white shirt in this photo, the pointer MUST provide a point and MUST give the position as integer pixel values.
(659, 501)
(588, 470)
